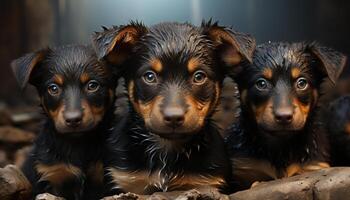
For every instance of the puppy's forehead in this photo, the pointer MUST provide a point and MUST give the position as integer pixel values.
(280, 56)
(74, 61)
(170, 39)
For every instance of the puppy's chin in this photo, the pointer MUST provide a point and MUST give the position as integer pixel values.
(278, 130)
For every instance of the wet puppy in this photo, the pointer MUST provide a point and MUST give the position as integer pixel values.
(76, 93)
(337, 119)
(280, 133)
(173, 74)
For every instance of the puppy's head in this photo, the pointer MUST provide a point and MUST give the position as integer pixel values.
(281, 87)
(74, 87)
(174, 71)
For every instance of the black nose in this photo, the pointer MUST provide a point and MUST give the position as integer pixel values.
(73, 118)
(284, 115)
(174, 116)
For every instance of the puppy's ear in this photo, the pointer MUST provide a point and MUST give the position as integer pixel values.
(24, 66)
(232, 47)
(115, 45)
(332, 62)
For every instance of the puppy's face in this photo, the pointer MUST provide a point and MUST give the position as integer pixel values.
(74, 88)
(173, 84)
(174, 97)
(282, 87)
(173, 71)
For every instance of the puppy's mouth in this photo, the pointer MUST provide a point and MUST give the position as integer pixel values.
(277, 130)
(174, 136)
(75, 130)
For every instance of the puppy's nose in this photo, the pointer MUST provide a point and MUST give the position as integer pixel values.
(284, 115)
(174, 116)
(73, 118)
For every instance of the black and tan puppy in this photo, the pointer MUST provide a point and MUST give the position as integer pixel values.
(280, 133)
(76, 92)
(173, 74)
(337, 119)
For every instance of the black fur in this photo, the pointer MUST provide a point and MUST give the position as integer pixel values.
(337, 119)
(77, 146)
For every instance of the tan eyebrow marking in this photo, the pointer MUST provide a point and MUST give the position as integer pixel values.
(156, 65)
(58, 79)
(193, 64)
(267, 73)
(295, 72)
(84, 78)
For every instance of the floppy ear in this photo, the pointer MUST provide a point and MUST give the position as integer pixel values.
(332, 62)
(232, 46)
(24, 66)
(115, 45)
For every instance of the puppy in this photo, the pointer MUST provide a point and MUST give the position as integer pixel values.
(337, 119)
(173, 74)
(280, 134)
(76, 93)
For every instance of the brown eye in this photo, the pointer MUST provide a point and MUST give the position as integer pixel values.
(150, 77)
(92, 86)
(53, 89)
(261, 84)
(199, 77)
(302, 83)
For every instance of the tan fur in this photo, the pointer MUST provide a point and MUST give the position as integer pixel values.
(295, 73)
(156, 65)
(297, 168)
(267, 73)
(58, 173)
(84, 78)
(58, 79)
(193, 64)
(347, 128)
(140, 182)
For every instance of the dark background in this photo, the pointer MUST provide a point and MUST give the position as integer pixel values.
(27, 25)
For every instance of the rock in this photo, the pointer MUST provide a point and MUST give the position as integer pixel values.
(10, 134)
(13, 184)
(325, 184)
(48, 196)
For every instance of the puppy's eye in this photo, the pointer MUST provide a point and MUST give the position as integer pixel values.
(92, 86)
(199, 77)
(261, 84)
(150, 77)
(53, 89)
(301, 83)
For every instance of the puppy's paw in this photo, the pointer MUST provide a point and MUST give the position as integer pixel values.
(48, 196)
(297, 169)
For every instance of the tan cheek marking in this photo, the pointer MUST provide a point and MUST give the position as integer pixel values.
(57, 115)
(58, 79)
(259, 110)
(305, 109)
(192, 64)
(156, 65)
(295, 72)
(267, 73)
(84, 78)
(58, 173)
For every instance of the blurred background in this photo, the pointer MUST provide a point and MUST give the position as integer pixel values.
(27, 25)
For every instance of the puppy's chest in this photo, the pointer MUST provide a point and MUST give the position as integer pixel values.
(146, 182)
